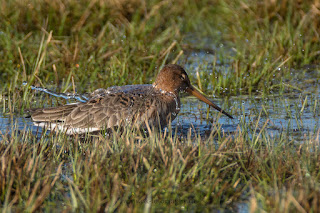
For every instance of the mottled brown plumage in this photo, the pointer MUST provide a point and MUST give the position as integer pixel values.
(119, 106)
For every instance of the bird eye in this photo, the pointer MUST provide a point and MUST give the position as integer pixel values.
(183, 76)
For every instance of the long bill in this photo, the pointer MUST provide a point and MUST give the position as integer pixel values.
(191, 90)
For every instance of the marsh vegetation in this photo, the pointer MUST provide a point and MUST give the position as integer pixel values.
(258, 59)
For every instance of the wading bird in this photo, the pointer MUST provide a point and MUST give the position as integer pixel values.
(119, 106)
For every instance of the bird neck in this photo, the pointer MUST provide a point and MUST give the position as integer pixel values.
(165, 90)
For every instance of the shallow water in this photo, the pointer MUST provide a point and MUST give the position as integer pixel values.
(282, 113)
(285, 115)
(12, 124)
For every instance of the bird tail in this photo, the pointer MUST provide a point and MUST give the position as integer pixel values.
(53, 114)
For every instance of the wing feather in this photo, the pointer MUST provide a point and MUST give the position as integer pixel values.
(103, 111)
(52, 114)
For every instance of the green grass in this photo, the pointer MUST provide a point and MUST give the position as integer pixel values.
(129, 170)
(100, 44)
(82, 46)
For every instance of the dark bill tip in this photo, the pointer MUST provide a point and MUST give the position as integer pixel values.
(191, 90)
